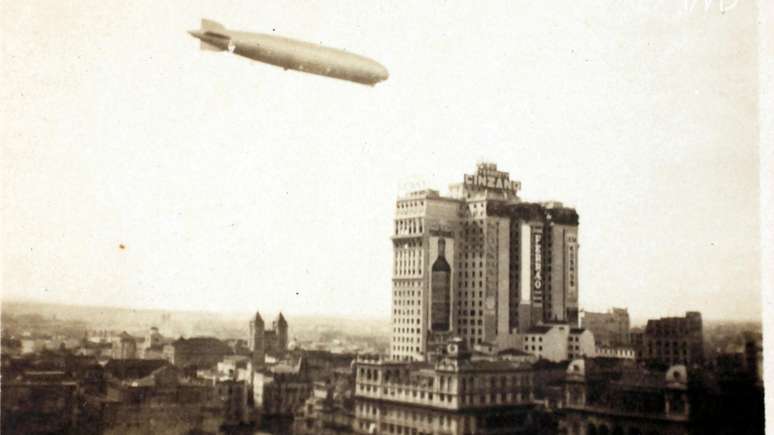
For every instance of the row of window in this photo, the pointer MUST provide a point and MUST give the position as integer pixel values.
(406, 301)
(466, 321)
(402, 205)
(409, 227)
(398, 319)
(363, 409)
(471, 331)
(410, 349)
(408, 261)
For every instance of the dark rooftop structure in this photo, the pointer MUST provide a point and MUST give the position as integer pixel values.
(124, 369)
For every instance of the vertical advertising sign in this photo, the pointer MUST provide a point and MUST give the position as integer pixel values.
(491, 280)
(441, 260)
(525, 264)
(571, 268)
(537, 266)
(491, 263)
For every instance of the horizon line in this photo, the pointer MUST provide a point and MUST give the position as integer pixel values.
(22, 300)
(18, 300)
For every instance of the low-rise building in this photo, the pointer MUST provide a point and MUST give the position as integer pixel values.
(233, 395)
(152, 345)
(32, 345)
(236, 367)
(152, 396)
(197, 352)
(325, 412)
(610, 329)
(558, 342)
(453, 395)
(672, 340)
(321, 364)
(125, 346)
(102, 350)
(281, 389)
(39, 402)
(632, 401)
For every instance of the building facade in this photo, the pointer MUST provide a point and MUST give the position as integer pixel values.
(559, 342)
(454, 395)
(149, 396)
(196, 352)
(324, 412)
(125, 347)
(622, 402)
(39, 406)
(610, 329)
(479, 264)
(282, 389)
(672, 340)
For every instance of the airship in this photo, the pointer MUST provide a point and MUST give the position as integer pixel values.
(290, 54)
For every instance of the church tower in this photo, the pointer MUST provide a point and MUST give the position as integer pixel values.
(256, 341)
(282, 334)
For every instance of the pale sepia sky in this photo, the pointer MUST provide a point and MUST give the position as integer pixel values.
(236, 185)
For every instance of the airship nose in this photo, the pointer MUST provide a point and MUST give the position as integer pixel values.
(382, 73)
(195, 33)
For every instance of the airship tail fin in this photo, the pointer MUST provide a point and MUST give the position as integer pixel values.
(209, 47)
(211, 25)
(212, 28)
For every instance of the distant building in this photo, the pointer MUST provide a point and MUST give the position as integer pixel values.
(125, 346)
(631, 402)
(753, 356)
(491, 352)
(322, 365)
(454, 395)
(235, 367)
(152, 396)
(38, 343)
(239, 346)
(325, 412)
(43, 402)
(10, 347)
(197, 352)
(261, 341)
(32, 345)
(153, 345)
(558, 342)
(97, 349)
(233, 395)
(610, 329)
(123, 369)
(671, 340)
(282, 389)
(637, 340)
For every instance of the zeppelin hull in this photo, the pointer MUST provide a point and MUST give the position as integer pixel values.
(292, 54)
(310, 58)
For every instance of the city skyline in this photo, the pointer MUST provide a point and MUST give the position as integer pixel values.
(157, 177)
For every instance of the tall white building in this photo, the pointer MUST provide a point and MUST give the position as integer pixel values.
(479, 264)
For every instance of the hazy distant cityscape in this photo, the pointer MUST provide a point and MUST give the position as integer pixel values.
(486, 336)
(74, 370)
